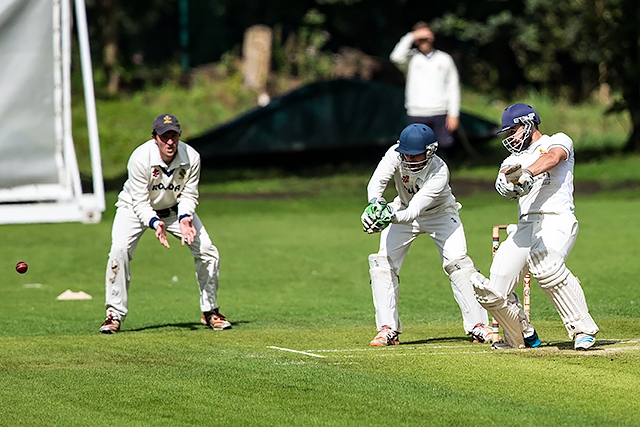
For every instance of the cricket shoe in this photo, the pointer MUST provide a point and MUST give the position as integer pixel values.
(533, 341)
(482, 333)
(504, 344)
(111, 325)
(385, 337)
(215, 320)
(584, 341)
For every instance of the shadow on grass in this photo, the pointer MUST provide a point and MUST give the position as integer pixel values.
(437, 340)
(192, 326)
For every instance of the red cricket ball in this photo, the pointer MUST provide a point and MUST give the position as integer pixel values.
(21, 267)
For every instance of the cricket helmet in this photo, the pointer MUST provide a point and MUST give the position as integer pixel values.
(416, 139)
(516, 115)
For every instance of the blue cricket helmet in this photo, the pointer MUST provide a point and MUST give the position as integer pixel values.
(517, 114)
(415, 139)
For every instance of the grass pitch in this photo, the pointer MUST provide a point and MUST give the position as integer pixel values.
(294, 283)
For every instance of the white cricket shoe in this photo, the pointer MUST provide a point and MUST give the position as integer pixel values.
(215, 320)
(504, 344)
(482, 333)
(584, 341)
(385, 337)
(111, 325)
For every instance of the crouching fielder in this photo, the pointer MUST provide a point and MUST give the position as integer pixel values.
(161, 193)
(539, 174)
(424, 204)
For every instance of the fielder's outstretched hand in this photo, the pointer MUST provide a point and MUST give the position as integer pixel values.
(187, 230)
(161, 233)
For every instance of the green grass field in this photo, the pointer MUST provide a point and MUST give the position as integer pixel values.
(295, 284)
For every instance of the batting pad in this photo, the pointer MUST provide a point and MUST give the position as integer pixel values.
(459, 272)
(384, 286)
(508, 315)
(563, 290)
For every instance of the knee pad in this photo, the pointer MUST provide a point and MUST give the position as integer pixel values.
(459, 264)
(379, 261)
(381, 271)
(548, 267)
(460, 271)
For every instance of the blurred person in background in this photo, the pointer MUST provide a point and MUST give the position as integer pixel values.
(432, 91)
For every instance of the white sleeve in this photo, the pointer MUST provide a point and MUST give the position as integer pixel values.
(188, 198)
(453, 89)
(402, 51)
(563, 141)
(383, 174)
(138, 187)
(424, 198)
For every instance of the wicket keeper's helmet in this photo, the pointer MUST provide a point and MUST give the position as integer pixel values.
(416, 139)
(516, 115)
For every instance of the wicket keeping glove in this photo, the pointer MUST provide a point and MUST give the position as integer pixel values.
(377, 216)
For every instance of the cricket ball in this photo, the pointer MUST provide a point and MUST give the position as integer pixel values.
(21, 267)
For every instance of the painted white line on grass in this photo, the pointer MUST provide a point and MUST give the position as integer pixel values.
(389, 348)
(295, 351)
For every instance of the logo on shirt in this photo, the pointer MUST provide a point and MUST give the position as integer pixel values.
(155, 173)
(182, 173)
(170, 187)
(405, 179)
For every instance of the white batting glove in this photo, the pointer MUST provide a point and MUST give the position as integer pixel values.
(505, 188)
(525, 182)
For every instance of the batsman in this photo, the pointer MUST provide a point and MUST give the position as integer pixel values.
(539, 175)
(424, 205)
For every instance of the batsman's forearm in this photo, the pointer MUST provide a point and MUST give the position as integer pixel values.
(547, 161)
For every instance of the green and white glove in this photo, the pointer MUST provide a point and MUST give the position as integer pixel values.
(377, 216)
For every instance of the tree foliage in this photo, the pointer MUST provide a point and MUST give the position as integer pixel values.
(569, 48)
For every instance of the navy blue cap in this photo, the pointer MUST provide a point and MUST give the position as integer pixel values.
(165, 123)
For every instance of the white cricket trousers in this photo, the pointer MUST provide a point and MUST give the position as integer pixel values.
(125, 235)
(447, 232)
(537, 232)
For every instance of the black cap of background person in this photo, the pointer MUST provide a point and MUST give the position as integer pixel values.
(165, 123)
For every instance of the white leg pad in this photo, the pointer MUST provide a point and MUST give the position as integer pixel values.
(506, 312)
(384, 286)
(459, 272)
(563, 290)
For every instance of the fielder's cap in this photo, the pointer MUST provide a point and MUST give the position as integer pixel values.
(166, 122)
(515, 114)
(415, 138)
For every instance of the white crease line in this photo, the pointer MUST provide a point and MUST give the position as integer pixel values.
(296, 351)
(390, 348)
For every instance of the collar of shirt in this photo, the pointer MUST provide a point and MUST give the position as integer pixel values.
(179, 159)
(430, 54)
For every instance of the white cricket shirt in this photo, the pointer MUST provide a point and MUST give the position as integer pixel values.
(153, 185)
(418, 194)
(552, 191)
(433, 86)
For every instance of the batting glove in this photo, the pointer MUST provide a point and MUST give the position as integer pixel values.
(525, 182)
(505, 188)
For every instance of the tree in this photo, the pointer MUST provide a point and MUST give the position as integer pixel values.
(571, 47)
